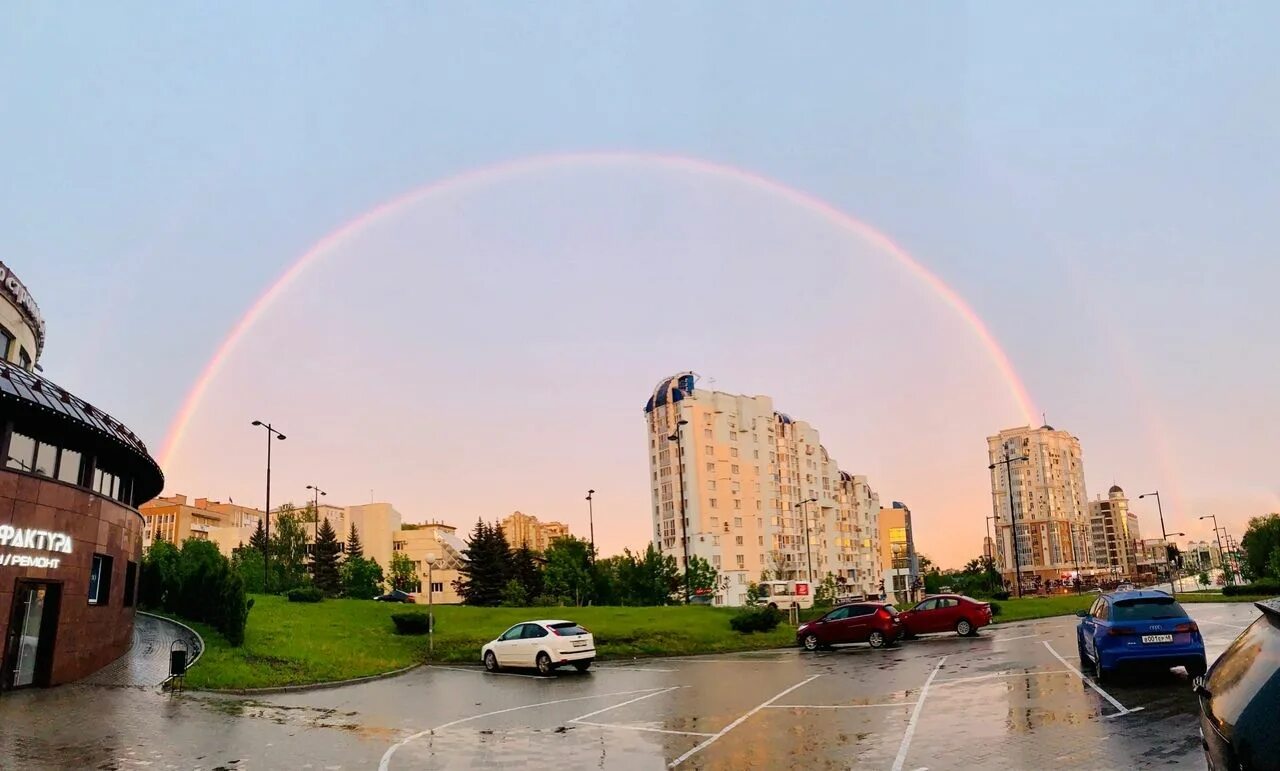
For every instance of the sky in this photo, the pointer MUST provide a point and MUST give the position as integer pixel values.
(1097, 183)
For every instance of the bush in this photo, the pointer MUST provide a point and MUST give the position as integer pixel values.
(1002, 596)
(756, 620)
(1266, 586)
(547, 601)
(995, 608)
(414, 622)
(304, 594)
(196, 583)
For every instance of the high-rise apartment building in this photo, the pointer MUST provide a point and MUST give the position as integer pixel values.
(1048, 508)
(1114, 528)
(899, 564)
(524, 530)
(754, 492)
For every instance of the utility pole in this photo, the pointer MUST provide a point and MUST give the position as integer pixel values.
(591, 521)
(1217, 535)
(1013, 517)
(1164, 536)
(808, 549)
(266, 547)
(684, 523)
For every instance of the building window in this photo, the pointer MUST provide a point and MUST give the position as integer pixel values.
(24, 359)
(734, 469)
(737, 503)
(100, 580)
(130, 582)
(737, 521)
(69, 467)
(713, 503)
(706, 433)
(711, 484)
(733, 452)
(738, 540)
(6, 340)
(437, 586)
(711, 467)
(742, 563)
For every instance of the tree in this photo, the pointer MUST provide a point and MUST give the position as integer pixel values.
(288, 551)
(568, 572)
(926, 564)
(1260, 541)
(1203, 579)
(354, 547)
(525, 569)
(701, 576)
(259, 538)
(650, 579)
(246, 562)
(159, 575)
(361, 578)
(825, 594)
(487, 568)
(403, 575)
(514, 595)
(324, 561)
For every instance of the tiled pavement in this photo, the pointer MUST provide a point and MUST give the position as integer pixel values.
(147, 662)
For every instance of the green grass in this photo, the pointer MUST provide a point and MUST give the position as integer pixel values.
(1185, 597)
(303, 643)
(1030, 608)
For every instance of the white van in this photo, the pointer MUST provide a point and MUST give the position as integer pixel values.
(783, 595)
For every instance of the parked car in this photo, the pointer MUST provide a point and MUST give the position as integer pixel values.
(875, 623)
(544, 645)
(1126, 586)
(1240, 698)
(395, 595)
(786, 594)
(946, 613)
(1138, 628)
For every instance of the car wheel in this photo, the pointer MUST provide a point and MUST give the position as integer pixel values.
(544, 664)
(1197, 667)
(582, 666)
(1100, 675)
(490, 661)
(876, 640)
(964, 628)
(811, 642)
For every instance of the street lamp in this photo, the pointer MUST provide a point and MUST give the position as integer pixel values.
(431, 618)
(684, 524)
(316, 492)
(1013, 519)
(1163, 534)
(272, 433)
(1218, 536)
(591, 520)
(808, 550)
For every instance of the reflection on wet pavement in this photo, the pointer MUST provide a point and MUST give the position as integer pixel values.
(1002, 700)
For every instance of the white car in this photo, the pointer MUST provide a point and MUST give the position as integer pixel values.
(541, 644)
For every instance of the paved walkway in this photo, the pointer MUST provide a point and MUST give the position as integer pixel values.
(147, 661)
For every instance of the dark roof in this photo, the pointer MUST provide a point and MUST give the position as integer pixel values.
(672, 389)
(37, 398)
(1116, 489)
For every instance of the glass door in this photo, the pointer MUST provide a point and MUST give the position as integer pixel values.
(28, 652)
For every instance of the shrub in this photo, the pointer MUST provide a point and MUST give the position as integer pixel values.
(1002, 596)
(514, 595)
(197, 583)
(756, 620)
(413, 622)
(995, 609)
(547, 601)
(304, 594)
(1266, 586)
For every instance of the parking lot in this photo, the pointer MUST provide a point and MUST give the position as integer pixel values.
(1013, 697)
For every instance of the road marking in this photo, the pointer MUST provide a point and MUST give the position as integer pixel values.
(737, 723)
(487, 672)
(385, 763)
(625, 703)
(1089, 682)
(840, 706)
(915, 716)
(624, 668)
(997, 675)
(1020, 637)
(639, 728)
(1219, 623)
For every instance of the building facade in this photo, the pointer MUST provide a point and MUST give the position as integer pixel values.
(173, 519)
(436, 553)
(1049, 507)
(899, 565)
(1201, 555)
(1114, 528)
(524, 530)
(70, 531)
(753, 492)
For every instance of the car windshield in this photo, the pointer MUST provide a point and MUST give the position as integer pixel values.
(567, 629)
(1147, 609)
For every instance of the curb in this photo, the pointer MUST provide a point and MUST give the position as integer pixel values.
(194, 633)
(308, 686)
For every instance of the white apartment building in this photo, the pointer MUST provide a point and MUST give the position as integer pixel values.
(1049, 504)
(752, 479)
(1115, 534)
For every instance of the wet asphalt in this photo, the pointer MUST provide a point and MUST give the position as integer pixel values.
(1012, 698)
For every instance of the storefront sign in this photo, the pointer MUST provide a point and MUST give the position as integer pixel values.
(23, 299)
(32, 539)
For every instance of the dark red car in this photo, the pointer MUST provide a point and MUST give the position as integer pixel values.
(946, 613)
(874, 623)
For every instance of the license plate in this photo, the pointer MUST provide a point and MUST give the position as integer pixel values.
(583, 643)
(1157, 638)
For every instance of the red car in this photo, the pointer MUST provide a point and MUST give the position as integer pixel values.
(874, 623)
(945, 613)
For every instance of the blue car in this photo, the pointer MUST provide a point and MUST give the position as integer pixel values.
(1138, 628)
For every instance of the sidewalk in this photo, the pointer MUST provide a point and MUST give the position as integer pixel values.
(147, 661)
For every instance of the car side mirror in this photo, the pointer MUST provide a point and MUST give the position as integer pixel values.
(1082, 613)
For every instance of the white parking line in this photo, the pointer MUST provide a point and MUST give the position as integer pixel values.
(1219, 623)
(385, 763)
(998, 675)
(640, 728)
(634, 669)
(1089, 682)
(738, 722)
(625, 703)
(840, 706)
(1008, 639)
(915, 716)
(486, 672)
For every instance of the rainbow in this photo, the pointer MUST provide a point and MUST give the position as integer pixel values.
(490, 174)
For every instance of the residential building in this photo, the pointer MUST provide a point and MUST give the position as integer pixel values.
(1201, 555)
(1153, 559)
(754, 492)
(437, 555)
(524, 530)
(1114, 528)
(1048, 506)
(899, 564)
(375, 522)
(175, 520)
(988, 547)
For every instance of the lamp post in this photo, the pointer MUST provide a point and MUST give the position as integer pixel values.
(591, 521)
(272, 433)
(431, 617)
(992, 556)
(1218, 536)
(684, 524)
(808, 549)
(1163, 534)
(1013, 519)
(316, 492)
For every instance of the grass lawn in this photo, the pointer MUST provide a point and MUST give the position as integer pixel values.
(1185, 597)
(299, 643)
(1042, 607)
